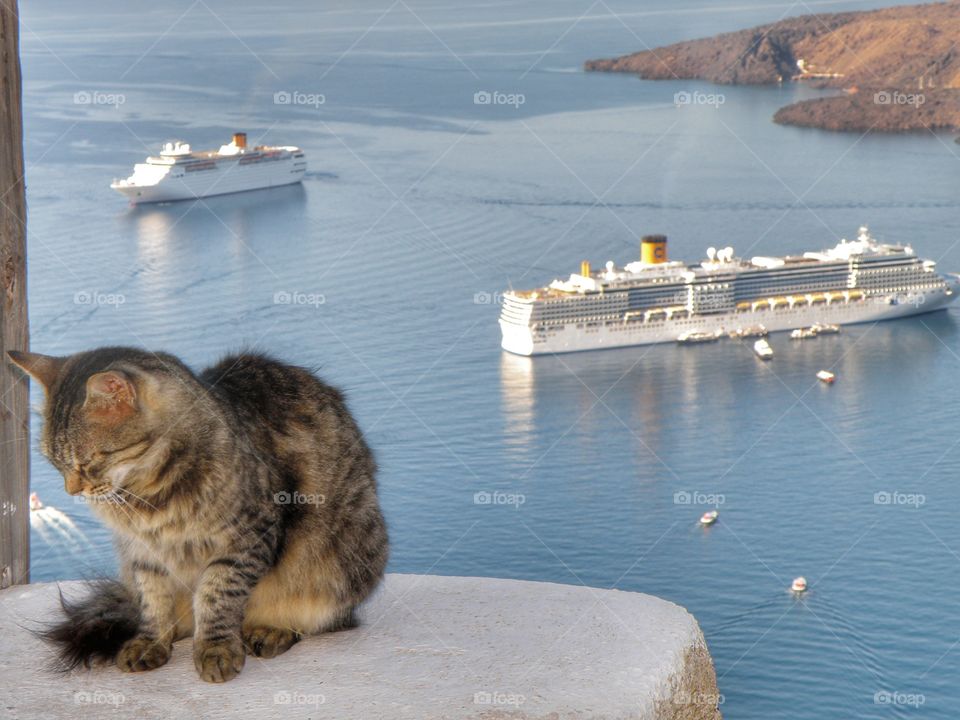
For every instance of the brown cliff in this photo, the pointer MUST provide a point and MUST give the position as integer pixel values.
(900, 66)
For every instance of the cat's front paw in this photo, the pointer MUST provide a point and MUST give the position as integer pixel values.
(142, 653)
(219, 661)
(267, 642)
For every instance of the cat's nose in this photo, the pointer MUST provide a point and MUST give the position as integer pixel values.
(73, 483)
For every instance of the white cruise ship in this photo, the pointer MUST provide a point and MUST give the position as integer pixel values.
(655, 300)
(179, 173)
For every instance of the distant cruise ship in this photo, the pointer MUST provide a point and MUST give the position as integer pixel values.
(180, 173)
(655, 300)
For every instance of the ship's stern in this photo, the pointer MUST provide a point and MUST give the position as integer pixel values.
(515, 314)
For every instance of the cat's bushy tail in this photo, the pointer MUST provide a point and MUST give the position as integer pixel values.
(95, 627)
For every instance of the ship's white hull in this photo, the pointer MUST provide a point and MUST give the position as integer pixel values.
(611, 334)
(228, 177)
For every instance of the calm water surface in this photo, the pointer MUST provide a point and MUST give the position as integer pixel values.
(420, 206)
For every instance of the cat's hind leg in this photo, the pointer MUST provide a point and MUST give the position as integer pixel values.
(277, 615)
(268, 642)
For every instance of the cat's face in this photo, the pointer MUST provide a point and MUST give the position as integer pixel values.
(97, 424)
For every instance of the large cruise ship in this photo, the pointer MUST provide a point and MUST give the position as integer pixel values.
(179, 173)
(656, 300)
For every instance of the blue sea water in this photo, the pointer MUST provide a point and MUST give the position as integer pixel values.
(421, 205)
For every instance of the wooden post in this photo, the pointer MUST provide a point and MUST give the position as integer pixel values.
(14, 397)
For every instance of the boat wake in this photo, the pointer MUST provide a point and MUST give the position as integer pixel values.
(57, 529)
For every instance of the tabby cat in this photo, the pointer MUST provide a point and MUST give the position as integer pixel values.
(243, 503)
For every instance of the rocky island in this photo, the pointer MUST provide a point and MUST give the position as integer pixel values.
(895, 69)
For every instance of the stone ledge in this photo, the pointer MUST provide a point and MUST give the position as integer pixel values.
(428, 647)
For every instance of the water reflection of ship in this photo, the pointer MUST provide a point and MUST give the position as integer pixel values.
(629, 390)
(224, 234)
(667, 398)
(155, 227)
(231, 242)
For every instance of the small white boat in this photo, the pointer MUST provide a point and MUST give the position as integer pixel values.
(35, 503)
(752, 331)
(709, 517)
(803, 334)
(826, 376)
(692, 337)
(825, 328)
(799, 584)
(763, 350)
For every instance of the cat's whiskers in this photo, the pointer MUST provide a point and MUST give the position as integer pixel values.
(120, 503)
(129, 511)
(134, 495)
(119, 507)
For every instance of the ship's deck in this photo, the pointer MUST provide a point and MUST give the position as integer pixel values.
(622, 280)
(204, 155)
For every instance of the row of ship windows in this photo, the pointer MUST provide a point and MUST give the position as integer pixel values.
(831, 276)
(745, 291)
(873, 282)
(566, 311)
(259, 159)
(620, 325)
(724, 304)
(679, 317)
(885, 282)
(619, 319)
(749, 291)
(886, 268)
(888, 282)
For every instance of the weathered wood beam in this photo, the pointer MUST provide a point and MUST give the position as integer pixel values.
(14, 397)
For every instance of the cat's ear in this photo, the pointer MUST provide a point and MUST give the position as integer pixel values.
(110, 391)
(43, 368)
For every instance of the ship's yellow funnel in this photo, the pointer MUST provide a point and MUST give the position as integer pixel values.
(585, 268)
(653, 249)
(240, 139)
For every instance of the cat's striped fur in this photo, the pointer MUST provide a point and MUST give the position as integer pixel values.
(243, 502)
